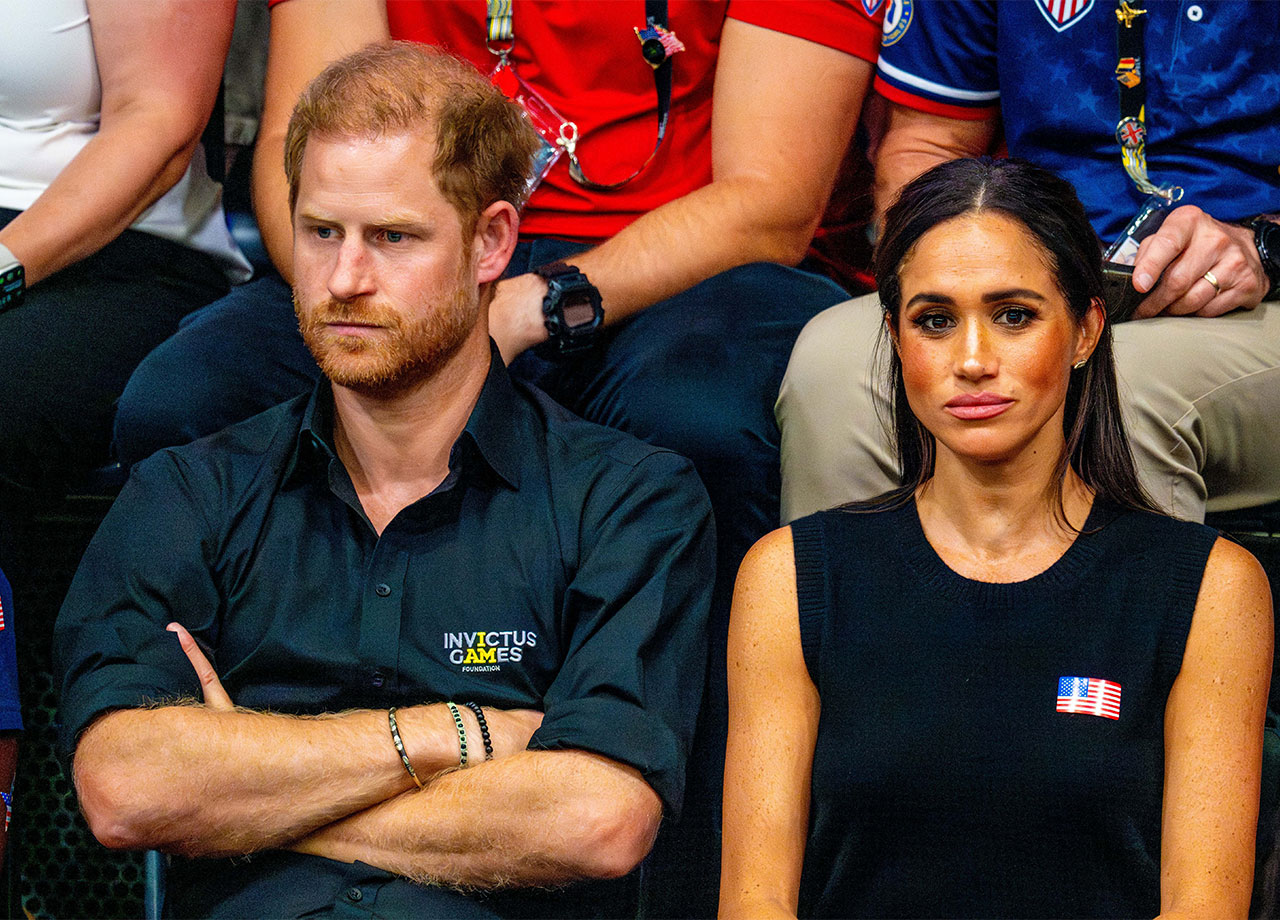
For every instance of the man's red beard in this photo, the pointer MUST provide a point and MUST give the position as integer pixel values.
(396, 356)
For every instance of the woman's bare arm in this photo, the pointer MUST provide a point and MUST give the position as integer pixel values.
(1213, 742)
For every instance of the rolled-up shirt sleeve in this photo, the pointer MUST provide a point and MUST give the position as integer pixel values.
(145, 568)
(634, 636)
(846, 25)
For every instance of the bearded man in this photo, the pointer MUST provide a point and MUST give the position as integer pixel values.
(422, 642)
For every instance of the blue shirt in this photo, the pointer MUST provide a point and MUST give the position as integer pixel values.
(1212, 73)
(561, 566)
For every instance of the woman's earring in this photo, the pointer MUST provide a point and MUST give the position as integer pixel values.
(1079, 364)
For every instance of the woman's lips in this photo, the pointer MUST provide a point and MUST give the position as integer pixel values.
(976, 406)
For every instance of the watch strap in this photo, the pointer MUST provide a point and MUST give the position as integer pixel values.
(556, 269)
(13, 279)
(1266, 239)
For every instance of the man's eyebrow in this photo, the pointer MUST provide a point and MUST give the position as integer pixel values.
(402, 220)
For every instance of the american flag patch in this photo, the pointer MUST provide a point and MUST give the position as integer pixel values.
(1089, 696)
(1063, 14)
(1, 615)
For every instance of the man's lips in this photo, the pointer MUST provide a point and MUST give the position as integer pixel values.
(971, 406)
(351, 327)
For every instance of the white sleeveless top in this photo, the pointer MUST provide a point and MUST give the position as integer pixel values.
(50, 100)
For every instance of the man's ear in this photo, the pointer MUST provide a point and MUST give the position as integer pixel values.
(495, 240)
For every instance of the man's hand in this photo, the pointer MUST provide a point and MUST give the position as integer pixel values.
(515, 314)
(1188, 245)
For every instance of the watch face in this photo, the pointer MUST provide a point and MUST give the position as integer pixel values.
(578, 310)
(571, 309)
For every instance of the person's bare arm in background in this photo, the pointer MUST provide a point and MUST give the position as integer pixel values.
(784, 110)
(306, 36)
(160, 66)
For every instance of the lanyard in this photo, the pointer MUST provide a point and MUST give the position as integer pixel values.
(657, 46)
(1131, 132)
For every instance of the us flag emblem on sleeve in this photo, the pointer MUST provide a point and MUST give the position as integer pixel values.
(1089, 696)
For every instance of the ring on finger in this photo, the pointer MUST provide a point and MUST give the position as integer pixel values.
(1212, 279)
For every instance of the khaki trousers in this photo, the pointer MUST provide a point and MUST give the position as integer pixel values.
(1201, 401)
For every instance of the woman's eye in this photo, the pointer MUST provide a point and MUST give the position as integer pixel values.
(393, 236)
(933, 322)
(1016, 316)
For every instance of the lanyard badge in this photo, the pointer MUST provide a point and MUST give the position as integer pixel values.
(1146, 222)
(549, 123)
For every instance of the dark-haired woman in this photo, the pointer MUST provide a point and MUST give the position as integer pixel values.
(1009, 689)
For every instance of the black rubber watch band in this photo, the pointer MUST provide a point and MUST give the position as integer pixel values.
(571, 310)
(1266, 238)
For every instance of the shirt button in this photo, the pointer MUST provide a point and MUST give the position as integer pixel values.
(1195, 13)
(378, 677)
(382, 590)
(354, 894)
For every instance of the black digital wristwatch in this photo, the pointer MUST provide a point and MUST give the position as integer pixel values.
(571, 309)
(13, 279)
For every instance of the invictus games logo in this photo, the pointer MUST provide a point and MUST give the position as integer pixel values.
(488, 651)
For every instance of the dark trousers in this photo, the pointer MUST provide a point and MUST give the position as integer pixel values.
(230, 360)
(698, 374)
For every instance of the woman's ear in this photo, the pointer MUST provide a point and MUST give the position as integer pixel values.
(1091, 326)
(893, 332)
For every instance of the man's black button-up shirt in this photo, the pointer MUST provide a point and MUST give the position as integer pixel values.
(560, 566)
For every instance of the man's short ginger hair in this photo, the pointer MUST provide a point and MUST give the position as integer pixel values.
(484, 142)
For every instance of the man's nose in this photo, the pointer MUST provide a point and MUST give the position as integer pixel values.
(352, 274)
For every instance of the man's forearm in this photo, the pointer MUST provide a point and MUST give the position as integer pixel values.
(720, 226)
(915, 142)
(198, 781)
(537, 818)
(728, 223)
(783, 112)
